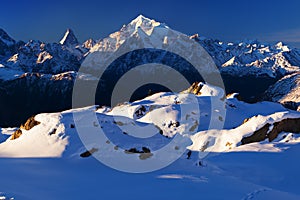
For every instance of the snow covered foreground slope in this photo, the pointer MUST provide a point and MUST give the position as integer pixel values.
(262, 170)
(155, 120)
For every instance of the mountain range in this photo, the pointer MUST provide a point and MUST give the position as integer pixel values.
(35, 71)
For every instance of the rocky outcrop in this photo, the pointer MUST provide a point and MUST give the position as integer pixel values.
(16, 134)
(144, 153)
(195, 88)
(88, 153)
(29, 124)
(235, 95)
(257, 136)
(271, 131)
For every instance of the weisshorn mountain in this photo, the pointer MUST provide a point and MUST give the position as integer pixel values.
(38, 77)
(201, 142)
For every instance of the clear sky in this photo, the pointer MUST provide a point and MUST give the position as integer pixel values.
(229, 20)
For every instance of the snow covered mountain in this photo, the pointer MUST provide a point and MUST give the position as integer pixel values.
(246, 58)
(243, 65)
(286, 91)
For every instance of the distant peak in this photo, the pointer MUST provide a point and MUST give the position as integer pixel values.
(69, 38)
(141, 18)
(147, 25)
(142, 21)
(282, 46)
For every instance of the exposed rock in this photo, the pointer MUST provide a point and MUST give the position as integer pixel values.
(160, 130)
(146, 150)
(286, 125)
(132, 150)
(246, 120)
(235, 95)
(195, 37)
(144, 156)
(53, 131)
(88, 153)
(257, 136)
(193, 128)
(189, 153)
(144, 153)
(16, 134)
(195, 88)
(29, 124)
(140, 112)
(119, 123)
(173, 124)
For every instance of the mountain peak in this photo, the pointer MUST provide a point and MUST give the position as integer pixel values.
(282, 46)
(141, 18)
(69, 38)
(145, 23)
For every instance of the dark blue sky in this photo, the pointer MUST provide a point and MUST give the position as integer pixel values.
(231, 20)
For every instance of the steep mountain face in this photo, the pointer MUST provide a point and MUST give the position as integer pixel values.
(36, 56)
(69, 39)
(247, 67)
(286, 91)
